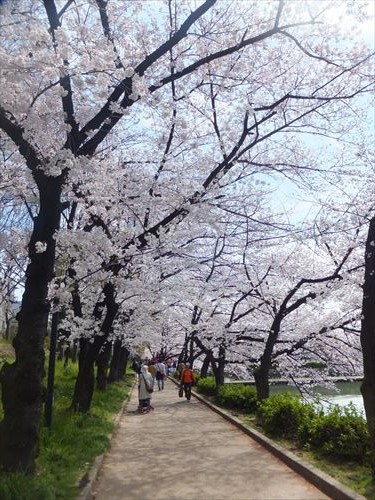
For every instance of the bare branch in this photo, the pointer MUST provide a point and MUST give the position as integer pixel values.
(305, 51)
(125, 86)
(278, 14)
(65, 81)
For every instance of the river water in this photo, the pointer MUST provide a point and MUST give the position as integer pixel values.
(346, 392)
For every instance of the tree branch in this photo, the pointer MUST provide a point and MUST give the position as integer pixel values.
(15, 132)
(65, 82)
(125, 86)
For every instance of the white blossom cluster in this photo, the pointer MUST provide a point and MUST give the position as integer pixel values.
(181, 172)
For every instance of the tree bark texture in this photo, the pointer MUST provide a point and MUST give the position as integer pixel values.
(261, 377)
(368, 336)
(21, 382)
(219, 373)
(102, 365)
(118, 362)
(261, 373)
(124, 357)
(205, 366)
(85, 382)
(114, 368)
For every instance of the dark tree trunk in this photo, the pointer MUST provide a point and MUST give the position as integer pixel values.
(60, 350)
(261, 377)
(102, 364)
(115, 370)
(191, 350)
(21, 382)
(66, 356)
(210, 359)
(180, 358)
(85, 382)
(84, 387)
(74, 352)
(214, 369)
(368, 337)
(261, 373)
(124, 357)
(219, 375)
(205, 366)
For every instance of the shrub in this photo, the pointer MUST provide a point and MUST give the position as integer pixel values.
(341, 433)
(207, 386)
(238, 396)
(285, 415)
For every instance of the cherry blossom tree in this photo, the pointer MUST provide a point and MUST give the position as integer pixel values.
(254, 306)
(185, 102)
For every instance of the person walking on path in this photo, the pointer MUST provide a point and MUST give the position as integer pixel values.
(187, 380)
(145, 390)
(161, 373)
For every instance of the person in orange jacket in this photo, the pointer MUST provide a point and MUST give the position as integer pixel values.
(187, 379)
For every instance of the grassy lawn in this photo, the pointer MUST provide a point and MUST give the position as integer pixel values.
(70, 446)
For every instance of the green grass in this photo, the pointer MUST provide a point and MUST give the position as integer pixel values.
(69, 447)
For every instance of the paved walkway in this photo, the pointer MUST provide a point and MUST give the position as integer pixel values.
(183, 450)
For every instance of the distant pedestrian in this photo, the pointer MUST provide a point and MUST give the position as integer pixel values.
(187, 380)
(145, 390)
(161, 373)
(171, 368)
(168, 366)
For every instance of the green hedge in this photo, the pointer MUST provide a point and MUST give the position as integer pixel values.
(341, 433)
(285, 415)
(207, 386)
(238, 396)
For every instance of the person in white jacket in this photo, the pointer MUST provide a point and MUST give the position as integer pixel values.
(145, 390)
